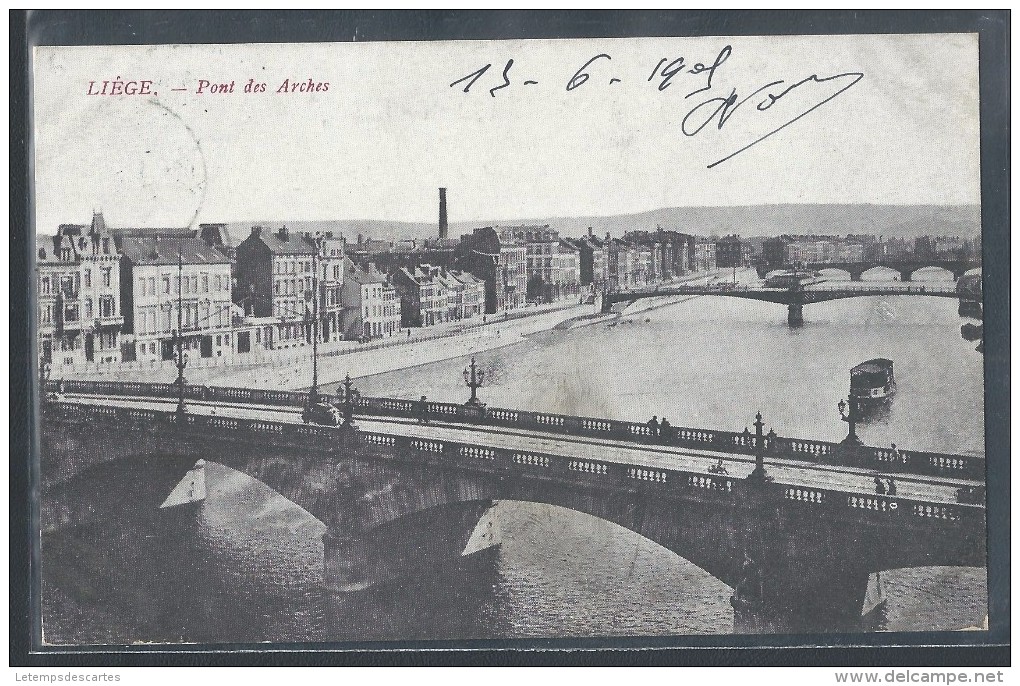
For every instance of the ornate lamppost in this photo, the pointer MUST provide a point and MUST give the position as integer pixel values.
(474, 378)
(313, 394)
(182, 357)
(348, 397)
(182, 362)
(848, 413)
(758, 474)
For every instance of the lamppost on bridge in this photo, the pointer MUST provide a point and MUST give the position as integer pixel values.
(181, 360)
(474, 378)
(313, 393)
(758, 474)
(348, 397)
(848, 413)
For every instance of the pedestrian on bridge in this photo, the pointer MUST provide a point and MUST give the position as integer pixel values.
(665, 429)
(653, 425)
(423, 410)
(891, 489)
(879, 486)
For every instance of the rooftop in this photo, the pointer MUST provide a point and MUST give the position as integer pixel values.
(170, 250)
(282, 242)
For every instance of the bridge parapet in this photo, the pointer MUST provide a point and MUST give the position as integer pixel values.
(776, 447)
(670, 483)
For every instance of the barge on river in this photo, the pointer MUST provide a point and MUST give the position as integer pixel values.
(872, 383)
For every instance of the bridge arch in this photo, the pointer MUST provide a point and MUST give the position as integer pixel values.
(881, 270)
(941, 273)
(836, 271)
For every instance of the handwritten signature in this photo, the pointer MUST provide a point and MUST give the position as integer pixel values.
(719, 109)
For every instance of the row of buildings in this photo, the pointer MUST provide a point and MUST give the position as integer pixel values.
(109, 295)
(534, 263)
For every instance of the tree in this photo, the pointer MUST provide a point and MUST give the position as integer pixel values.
(536, 288)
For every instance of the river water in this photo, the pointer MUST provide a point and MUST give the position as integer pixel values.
(248, 566)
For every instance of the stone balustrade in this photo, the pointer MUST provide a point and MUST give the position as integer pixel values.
(885, 460)
(679, 483)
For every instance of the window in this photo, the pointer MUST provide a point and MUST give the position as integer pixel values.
(217, 283)
(107, 306)
(187, 285)
(107, 276)
(44, 286)
(141, 286)
(88, 308)
(88, 277)
(47, 315)
(152, 285)
(205, 283)
(194, 283)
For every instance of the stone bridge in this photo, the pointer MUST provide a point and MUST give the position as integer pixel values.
(906, 267)
(798, 555)
(794, 298)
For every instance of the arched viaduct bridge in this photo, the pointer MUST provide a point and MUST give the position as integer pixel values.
(906, 267)
(796, 530)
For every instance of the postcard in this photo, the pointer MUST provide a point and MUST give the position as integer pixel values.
(509, 339)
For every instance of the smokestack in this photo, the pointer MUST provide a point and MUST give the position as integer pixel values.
(443, 228)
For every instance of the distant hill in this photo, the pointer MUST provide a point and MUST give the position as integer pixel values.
(891, 221)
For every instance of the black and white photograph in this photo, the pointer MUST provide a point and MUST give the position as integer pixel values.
(473, 340)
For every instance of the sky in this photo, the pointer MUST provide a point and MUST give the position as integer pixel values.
(389, 129)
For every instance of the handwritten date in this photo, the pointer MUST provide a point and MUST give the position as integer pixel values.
(714, 105)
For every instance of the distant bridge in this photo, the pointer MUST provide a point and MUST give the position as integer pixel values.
(906, 267)
(794, 298)
(798, 549)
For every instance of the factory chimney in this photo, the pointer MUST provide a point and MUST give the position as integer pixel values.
(443, 228)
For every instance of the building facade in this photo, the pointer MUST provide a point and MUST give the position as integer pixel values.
(424, 297)
(276, 276)
(371, 304)
(567, 272)
(704, 254)
(731, 252)
(500, 263)
(80, 313)
(171, 284)
(472, 303)
(594, 262)
(331, 251)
